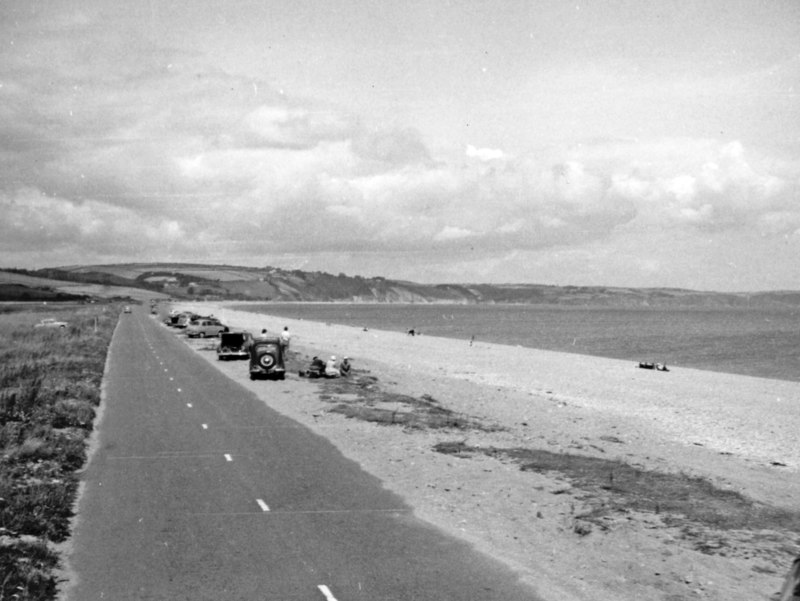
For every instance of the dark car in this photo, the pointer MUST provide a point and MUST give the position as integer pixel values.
(234, 345)
(266, 359)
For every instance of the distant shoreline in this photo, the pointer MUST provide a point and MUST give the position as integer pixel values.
(752, 342)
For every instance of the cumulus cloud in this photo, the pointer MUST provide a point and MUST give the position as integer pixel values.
(169, 157)
(485, 154)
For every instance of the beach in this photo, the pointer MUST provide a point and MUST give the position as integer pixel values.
(737, 432)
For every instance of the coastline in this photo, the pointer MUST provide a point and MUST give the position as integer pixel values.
(753, 418)
(735, 431)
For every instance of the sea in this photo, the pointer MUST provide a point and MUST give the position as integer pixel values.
(753, 342)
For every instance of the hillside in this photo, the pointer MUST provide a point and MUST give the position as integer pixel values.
(228, 282)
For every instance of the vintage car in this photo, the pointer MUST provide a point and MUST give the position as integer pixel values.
(127, 309)
(266, 359)
(234, 345)
(51, 322)
(203, 327)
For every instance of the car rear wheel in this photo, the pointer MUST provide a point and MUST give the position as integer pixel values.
(266, 361)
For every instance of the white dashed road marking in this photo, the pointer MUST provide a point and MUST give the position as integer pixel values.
(327, 592)
(228, 457)
(262, 504)
(205, 426)
(189, 405)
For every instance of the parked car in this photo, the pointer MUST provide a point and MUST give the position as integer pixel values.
(127, 309)
(183, 320)
(51, 322)
(202, 328)
(234, 345)
(266, 359)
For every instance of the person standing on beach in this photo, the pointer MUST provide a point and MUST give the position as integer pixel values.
(285, 339)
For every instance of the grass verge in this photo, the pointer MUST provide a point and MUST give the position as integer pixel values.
(49, 388)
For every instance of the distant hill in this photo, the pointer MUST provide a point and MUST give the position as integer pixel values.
(229, 282)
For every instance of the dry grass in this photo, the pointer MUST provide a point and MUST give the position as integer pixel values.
(49, 388)
(360, 396)
(711, 518)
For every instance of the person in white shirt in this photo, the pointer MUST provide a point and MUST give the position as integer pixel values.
(285, 338)
(331, 369)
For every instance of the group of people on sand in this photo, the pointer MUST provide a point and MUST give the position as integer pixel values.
(318, 368)
(327, 369)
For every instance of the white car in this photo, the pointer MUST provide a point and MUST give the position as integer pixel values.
(51, 322)
(200, 328)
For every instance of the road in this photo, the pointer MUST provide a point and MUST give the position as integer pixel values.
(197, 490)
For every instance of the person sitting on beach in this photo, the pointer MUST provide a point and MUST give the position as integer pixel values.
(345, 367)
(331, 370)
(316, 369)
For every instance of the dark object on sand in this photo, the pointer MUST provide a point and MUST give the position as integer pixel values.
(656, 366)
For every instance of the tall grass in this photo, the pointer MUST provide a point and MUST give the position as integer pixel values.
(49, 388)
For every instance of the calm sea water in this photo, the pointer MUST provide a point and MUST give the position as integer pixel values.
(749, 342)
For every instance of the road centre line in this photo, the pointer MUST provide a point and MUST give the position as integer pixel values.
(327, 592)
(228, 457)
(281, 512)
(262, 504)
(189, 405)
(205, 426)
(162, 456)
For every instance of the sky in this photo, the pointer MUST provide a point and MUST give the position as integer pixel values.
(612, 143)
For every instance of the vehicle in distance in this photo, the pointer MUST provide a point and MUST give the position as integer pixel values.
(51, 322)
(127, 309)
(266, 359)
(202, 328)
(234, 345)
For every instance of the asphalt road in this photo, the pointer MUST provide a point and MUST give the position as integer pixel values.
(198, 490)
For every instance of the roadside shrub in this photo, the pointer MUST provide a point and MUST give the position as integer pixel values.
(26, 571)
(38, 509)
(72, 413)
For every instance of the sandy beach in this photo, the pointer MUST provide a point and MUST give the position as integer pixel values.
(738, 432)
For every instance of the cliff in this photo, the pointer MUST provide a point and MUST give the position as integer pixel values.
(226, 282)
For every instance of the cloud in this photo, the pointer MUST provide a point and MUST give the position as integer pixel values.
(155, 153)
(485, 154)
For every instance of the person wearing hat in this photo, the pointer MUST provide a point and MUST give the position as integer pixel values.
(331, 370)
(345, 366)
